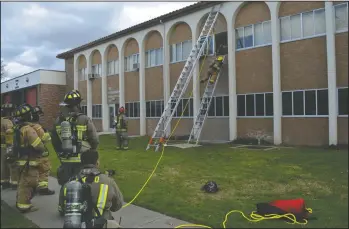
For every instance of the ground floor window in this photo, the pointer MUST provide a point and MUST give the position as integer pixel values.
(132, 109)
(254, 105)
(84, 109)
(343, 101)
(97, 111)
(305, 102)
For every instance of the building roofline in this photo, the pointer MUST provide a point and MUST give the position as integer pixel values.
(139, 27)
(40, 69)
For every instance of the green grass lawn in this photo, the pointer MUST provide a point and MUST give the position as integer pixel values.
(11, 218)
(245, 177)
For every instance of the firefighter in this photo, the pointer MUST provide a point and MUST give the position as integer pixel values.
(6, 124)
(105, 196)
(27, 147)
(72, 135)
(213, 70)
(121, 129)
(44, 162)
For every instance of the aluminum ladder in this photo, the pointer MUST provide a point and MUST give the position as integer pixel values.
(204, 107)
(159, 134)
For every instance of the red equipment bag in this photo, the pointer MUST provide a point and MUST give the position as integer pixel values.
(281, 207)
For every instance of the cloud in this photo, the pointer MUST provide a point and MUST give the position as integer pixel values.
(33, 33)
(133, 14)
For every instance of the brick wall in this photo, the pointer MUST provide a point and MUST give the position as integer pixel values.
(49, 97)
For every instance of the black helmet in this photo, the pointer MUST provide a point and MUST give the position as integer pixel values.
(23, 110)
(210, 187)
(71, 98)
(37, 110)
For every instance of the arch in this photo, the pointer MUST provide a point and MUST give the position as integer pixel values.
(290, 8)
(221, 24)
(81, 62)
(95, 57)
(130, 47)
(179, 32)
(152, 40)
(111, 53)
(251, 13)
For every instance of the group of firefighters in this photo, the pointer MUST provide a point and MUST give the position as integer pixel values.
(25, 165)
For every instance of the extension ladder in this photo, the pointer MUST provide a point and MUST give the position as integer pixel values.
(204, 107)
(159, 134)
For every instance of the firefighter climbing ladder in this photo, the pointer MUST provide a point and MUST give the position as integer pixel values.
(204, 107)
(160, 131)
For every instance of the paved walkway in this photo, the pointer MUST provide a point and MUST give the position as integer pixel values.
(131, 216)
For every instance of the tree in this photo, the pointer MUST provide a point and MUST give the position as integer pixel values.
(3, 70)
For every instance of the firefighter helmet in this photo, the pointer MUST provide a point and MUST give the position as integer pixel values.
(71, 98)
(121, 110)
(37, 110)
(220, 58)
(23, 110)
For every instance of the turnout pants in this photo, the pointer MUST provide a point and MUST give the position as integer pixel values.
(121, 140)
(69, 169)
(14, 173)
(5, 168)
(44, 168)
(27, 184)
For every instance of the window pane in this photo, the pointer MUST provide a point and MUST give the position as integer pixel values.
(322, 102)
(116, 67)
(249, 105)
(241, 105)
(147, 59)
(147, 109)
(186, 111)
(296, 26)
(159, 54)
(210, 45)
(267, 32)
(180, 108)
(211, 110)
(259, 104)
(308, 24)
(173, 52)
(258, 34)
(93, 111)
(320, 21)
(127, 109)
(153, 108)
(136, 109)
(153, 57)
(226, 106)
(286, 103)
(310, 102)
(269, 111)
(131, 110)
(343, 101)
(298, 103)
(285, 28)
(248, 38)
(125, 64)
(100, 70)
(187, 46)
(239, 38)
(179, 52)
(158, 108)
(219, 106)
(191, 107)
(341, 17)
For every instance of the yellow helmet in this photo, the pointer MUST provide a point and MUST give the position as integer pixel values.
(220, 58)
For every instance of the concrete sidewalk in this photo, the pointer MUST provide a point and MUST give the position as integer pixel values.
(131, 216)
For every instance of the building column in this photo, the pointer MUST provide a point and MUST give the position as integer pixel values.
(142, 114)
(105, 108)
(232, 81)
(277, 95)
(89, 89)
(121, 79)
(76, 74)
(196, 81)
(166, 74)
(331, 74)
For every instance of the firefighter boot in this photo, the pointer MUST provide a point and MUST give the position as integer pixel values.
(5, 185)
(31, 209)
(46, 192)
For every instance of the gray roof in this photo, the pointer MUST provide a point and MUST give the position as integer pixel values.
(139, 27)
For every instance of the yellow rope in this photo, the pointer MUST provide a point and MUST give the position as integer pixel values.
(254, 217)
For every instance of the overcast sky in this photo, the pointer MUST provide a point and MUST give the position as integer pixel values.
(33, 33)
